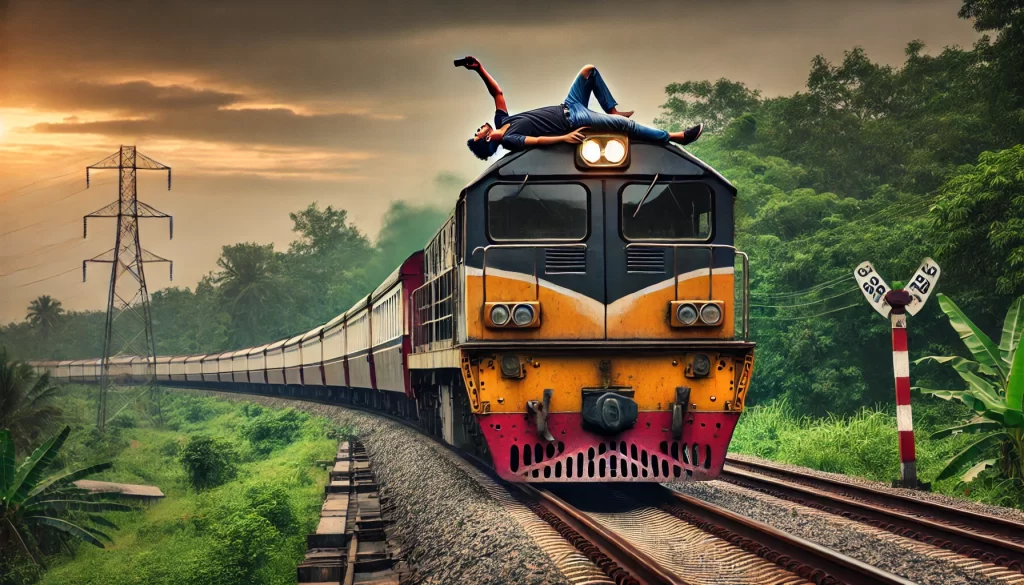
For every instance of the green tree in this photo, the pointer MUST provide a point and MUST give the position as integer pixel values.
(208, 462)
(714, 104)
(254, 291)
(979, 221)
(995, 392)
(27, 406)
(44, 312)
(33, 503)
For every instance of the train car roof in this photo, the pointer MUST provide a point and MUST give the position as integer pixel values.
(559, 159)
(241, 352)
(259, 349)
(195, 358)
(359, 306)
(335, 321)
(163, 359)
(182, 358)
(293, 340)
(277, 344)
(82, 362)
(312, 333)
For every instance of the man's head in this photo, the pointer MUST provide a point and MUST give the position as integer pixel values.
(480, 145)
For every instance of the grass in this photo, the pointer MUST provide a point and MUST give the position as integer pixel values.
(249, 530)
(865, 445)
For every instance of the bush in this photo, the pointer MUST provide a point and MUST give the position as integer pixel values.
(208, 462)
(271, 430)
(124, 420)
(271, 501)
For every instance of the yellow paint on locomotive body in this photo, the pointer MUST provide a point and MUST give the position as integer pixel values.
(653, 377)
(645, 313)
(564, 314)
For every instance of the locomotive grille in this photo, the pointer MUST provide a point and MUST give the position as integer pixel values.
(565, 261)
(649, 260)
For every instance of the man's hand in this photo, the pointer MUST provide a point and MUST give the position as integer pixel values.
(472, 63)
(575, 137)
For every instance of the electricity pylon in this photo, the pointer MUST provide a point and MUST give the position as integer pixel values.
(128, 332)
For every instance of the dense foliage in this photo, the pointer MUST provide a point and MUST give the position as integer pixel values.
(250, 529)
(42, 511)
(208, 462)
(27, 401)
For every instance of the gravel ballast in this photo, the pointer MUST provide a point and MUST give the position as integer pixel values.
(445, 525)
(943, 499)
(902, 556)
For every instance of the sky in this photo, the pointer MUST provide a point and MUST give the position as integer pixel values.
(262, 107)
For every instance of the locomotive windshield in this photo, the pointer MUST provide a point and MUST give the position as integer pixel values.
(539, 211)
(669, 211)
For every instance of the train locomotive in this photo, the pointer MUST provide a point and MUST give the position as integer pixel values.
(577, 318)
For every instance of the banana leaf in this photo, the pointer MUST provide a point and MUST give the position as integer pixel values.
(67, 478)
(981, 346)
(6, 462)
(970, 455)
(32, 469)
(961, 395)
(66, 527)
(1012, 327)
(100, 520)
(958, 363)
(971, 427)
(973, 472)
(1015, 385)
(78, 505)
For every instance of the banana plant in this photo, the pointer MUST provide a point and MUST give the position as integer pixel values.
(995, 390)
(33, 503)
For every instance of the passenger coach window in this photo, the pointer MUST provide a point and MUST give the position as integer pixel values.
(671, 211)
(537, 212)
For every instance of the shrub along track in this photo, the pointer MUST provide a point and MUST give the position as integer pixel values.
(984, 537)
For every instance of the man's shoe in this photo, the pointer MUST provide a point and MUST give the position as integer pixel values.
(692, 134)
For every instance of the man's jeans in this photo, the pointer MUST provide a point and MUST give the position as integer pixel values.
(580, 115)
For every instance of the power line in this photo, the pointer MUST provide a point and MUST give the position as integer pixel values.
(44, 220)
(807, 316)
(49, 278)
(807, 291)
(844, 293)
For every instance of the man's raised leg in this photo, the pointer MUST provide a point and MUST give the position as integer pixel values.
(589, 82)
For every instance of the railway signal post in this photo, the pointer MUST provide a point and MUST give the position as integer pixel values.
(895, 305)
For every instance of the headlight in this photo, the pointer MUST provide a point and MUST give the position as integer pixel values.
(686, 314)
(591, 151)
(614, 151)
(710, 314)
(522, 315)
(499, 315)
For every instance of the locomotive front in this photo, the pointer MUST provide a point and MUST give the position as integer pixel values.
(602, 329)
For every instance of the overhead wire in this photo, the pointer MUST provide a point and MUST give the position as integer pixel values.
(806, 316)
(842, 294)
(45, 219)
(820, 286)
(49, 277)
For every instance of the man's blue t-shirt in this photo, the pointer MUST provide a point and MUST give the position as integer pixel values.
(547, 121)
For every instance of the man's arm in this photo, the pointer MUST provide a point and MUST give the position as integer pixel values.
(492, 86)
(574, 137)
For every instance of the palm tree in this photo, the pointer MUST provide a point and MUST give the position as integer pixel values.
(26, 400)
(251, 283)
(44, 313)
(32, 504)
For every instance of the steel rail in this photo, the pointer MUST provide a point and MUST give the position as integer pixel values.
(990, 547)
(977, 520)
(639, 565)
(840, 567)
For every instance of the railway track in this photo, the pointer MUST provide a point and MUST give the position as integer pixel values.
(984, 537)
(619, 555)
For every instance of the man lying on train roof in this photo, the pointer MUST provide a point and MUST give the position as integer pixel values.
(563, 122)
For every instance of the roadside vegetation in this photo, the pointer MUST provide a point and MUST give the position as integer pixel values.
(241, 483)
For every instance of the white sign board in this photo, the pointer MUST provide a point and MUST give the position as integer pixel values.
(873, 287)
(922, 284)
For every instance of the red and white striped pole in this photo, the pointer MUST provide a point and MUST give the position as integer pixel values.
(901, 370)
(896, 305)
